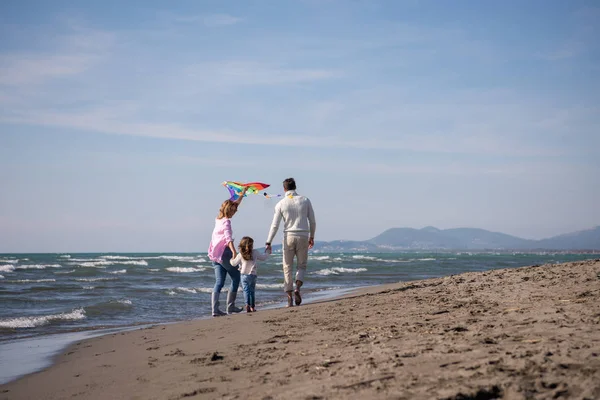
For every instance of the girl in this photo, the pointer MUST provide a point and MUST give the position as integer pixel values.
(220, 252)
(248, 257)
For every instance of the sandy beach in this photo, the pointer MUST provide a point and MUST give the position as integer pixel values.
(526, 333)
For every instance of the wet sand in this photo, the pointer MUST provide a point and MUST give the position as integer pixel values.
(526, 333)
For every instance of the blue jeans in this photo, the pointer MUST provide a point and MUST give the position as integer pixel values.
(221, 271)
(249, 286)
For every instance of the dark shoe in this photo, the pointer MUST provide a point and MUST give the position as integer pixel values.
(297, 297)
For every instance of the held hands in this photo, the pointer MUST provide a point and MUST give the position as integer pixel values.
(311, 242)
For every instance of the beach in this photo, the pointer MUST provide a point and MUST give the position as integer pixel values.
(521, 333)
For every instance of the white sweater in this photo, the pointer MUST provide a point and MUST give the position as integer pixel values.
(297, 214)
(249, 266)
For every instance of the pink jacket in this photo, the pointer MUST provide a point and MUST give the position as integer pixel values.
(221, 236)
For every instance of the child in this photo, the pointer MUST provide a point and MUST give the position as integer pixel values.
(248, 257)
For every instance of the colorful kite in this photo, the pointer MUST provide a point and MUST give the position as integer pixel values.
(236, 188)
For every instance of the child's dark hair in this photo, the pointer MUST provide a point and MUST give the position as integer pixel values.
(246, 247)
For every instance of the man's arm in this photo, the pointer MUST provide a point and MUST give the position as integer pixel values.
(312, 222)
(274, 227)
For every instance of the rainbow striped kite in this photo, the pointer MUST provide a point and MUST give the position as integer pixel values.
(236, 188)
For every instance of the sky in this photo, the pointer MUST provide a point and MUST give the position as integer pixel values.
(119, 120)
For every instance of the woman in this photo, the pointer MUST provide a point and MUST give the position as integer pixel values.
(220, 251)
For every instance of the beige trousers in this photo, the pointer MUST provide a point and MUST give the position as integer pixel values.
(294, 246)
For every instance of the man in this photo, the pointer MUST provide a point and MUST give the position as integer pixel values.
(298, 236)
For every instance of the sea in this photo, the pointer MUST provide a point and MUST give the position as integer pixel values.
(62, 296)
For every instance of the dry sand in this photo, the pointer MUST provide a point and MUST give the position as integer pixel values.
(526, 333)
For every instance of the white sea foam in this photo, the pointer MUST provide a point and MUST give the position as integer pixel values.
(87, 287)
(187, 290)
(320, 258)
(185, 270)
(183, 258)
(95, 279)
(125, 302)
(339, 270)
(39, 266)
(154, 270)
(104, 263)
(171, 293)
(33, 280)
(65, 256)
(121, 271)
(9, 261)
(6, 268)
(269, 285)
(361, 257)
(1, 276)
(32, 322)
(64, 272)
(426, 259)
(119, 258)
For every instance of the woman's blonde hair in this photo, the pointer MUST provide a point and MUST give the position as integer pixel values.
(246, 247)
(228, 209)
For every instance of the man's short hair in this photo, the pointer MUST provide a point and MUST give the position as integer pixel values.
(289, 184)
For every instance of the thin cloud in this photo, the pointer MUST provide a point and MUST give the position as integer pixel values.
(69, 55)
(232, 73)
(209, 20)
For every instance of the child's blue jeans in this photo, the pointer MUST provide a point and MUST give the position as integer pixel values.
(249, 286)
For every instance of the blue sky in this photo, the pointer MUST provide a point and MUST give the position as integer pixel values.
(119, 120)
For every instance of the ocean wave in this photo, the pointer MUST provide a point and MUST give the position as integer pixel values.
(120, 258)
(65, 256)
(109, 307)
(1, 276)
(361, 257)
(185, 270)
(269, 285)
(95, 279)
(153, 269)
(104, 263)
(320, 258)
(32, 280)
(32, 322)
(183, 258)
(39, 266)
(122, 271)
(88, 287)
(171, 293)
(186, 290)
(64, 272)
(7, 268)
(426, 259)
(9, 261)
(339, 270)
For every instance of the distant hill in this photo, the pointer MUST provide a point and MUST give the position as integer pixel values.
(431, 238)
(587, 239)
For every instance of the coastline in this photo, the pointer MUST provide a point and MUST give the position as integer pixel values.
(529, 332)
(21, 357)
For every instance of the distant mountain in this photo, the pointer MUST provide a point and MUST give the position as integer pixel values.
(431, 238)
(587, 239)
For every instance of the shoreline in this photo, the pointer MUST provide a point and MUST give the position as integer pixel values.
(25, 356)
(528, 332)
